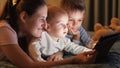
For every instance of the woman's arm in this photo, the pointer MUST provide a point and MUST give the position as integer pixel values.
(16, 55)
(11, 49)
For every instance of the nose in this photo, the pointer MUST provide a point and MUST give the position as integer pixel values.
(75, 23)
(44, 23)
(65, 26)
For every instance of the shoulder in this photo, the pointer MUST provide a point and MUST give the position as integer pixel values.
(44, 33)
(7, 34)
(35, 42)
(45, 36)
(3, 23)
(81, 29)
(5, 27)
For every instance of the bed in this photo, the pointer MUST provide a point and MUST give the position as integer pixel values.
(115, 49)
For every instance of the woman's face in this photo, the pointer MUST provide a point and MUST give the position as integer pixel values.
(75, 19)
(35, 23)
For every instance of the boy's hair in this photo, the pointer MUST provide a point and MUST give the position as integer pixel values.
(73, 5)
(53, 12)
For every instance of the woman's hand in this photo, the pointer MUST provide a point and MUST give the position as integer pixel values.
(86, 57)
(55, 57)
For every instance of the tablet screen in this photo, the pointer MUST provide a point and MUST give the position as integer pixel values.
(105, 43)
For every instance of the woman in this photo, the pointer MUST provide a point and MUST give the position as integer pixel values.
(26, 24)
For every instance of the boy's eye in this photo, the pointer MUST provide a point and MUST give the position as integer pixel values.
(80, 20)
(67, 24)
(71, 20)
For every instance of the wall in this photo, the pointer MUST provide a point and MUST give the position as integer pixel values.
(53, 2)
(2, 5)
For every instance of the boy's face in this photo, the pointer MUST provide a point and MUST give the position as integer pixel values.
(75, 20)
(58, 26)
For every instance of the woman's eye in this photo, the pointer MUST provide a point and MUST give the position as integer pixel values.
(42, 19)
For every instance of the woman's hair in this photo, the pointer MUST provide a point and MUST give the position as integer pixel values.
(53, 12)
(30, 6)
(73, 5)
(12, 12)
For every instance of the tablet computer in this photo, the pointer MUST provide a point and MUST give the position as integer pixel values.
(105, 43)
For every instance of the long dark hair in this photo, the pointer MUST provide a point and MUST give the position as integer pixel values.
(12, 15)
(30, 7)
(9, 14)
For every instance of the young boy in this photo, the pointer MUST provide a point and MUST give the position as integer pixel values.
(53, 40)
(76, 12)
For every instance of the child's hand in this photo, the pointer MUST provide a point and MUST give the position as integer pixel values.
(73, 32)
(55, 57)
(86, 57)
(92, 44)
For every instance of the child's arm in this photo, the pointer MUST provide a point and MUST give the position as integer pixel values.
(75, 34)
(76, 37)
(74, 48)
